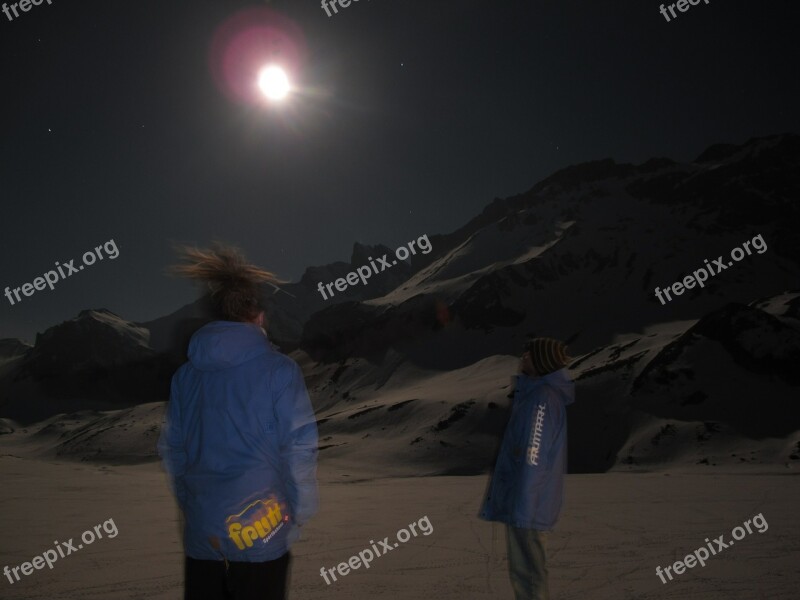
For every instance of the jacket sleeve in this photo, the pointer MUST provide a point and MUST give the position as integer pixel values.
(544, 434)
(297, 427)
(171, 447)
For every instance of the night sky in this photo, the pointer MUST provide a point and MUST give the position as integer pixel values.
(422, 112)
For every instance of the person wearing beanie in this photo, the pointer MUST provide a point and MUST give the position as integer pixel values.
(525, 492)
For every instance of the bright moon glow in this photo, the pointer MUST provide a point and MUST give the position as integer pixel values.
(273, 83)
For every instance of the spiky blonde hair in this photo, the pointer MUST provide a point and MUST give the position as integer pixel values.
(233, 283)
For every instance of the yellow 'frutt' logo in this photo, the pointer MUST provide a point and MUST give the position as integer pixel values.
(261, 519)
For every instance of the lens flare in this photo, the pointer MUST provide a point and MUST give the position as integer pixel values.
(257, 53)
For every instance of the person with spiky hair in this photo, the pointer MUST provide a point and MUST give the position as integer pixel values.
(526, 489)
(239, 440)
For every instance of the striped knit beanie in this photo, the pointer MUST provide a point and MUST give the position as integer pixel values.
(547, 355)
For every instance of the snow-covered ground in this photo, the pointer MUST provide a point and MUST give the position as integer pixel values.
(615, 530)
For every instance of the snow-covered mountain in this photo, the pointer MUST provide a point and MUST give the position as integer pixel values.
(579, 256)
(290, 305)
(413, 369)
(96, 360)
(12, 347)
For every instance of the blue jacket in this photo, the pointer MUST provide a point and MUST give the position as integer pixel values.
(528, 480)
(239, 442)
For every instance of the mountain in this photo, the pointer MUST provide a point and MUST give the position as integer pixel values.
(96, 360)
(579, 257)
(719, 391)
(12, 348)
(413, 369)
(289, 305)
(601, 230)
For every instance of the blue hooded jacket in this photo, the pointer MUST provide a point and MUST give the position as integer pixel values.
(239, 442)
(527, 484)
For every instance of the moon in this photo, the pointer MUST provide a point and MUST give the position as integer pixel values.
(273, 82)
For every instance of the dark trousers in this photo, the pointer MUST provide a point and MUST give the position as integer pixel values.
(212, 580)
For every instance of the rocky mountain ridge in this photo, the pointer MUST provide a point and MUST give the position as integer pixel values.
(420, 358)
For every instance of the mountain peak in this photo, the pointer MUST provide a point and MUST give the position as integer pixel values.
(363, 252)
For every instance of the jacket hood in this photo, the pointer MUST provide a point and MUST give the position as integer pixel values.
(224, 344)
(558, 380)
